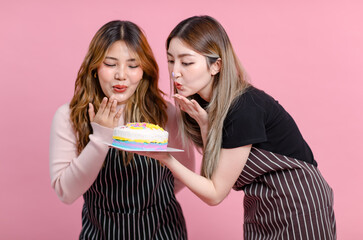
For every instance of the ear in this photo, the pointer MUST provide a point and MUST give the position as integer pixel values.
(216, 67)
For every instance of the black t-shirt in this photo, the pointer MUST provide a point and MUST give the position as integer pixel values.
(258, 119)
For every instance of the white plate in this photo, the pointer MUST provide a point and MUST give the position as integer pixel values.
(168, 149)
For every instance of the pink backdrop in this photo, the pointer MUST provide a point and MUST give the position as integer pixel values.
(308, 55)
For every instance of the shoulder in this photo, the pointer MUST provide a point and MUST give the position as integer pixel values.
(254, 96)
(248, 101)
(248, 112)
(63, 110)
(62, 127)
(62, 115)
(245, 121)
(253, 99)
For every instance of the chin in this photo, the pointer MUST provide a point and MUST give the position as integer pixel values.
(183, 93)
(121, 100)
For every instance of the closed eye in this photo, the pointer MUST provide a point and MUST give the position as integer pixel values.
(136, 66)
(109, 65)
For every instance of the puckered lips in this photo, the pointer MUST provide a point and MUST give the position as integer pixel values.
(119, 88)
(178, 85)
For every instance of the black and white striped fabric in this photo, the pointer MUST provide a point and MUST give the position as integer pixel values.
(136, 201)
(285, 199)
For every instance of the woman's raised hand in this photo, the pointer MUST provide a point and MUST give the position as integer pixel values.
(107, 114)
(193, 109)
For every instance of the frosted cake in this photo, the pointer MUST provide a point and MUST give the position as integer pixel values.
(140, 136)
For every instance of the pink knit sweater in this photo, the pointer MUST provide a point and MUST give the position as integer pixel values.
(72, 174)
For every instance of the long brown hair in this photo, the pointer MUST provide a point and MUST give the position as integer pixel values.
(146, 104)
(206, 36)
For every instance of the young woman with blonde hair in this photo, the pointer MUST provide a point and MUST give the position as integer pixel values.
(126, 196)
(249, 142)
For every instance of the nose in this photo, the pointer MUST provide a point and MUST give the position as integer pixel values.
(175, 74)
(120, 73)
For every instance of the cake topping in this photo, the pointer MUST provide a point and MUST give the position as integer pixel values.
(141, 136)
(143, 125)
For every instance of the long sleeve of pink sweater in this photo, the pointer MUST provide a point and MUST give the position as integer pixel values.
(72, 174)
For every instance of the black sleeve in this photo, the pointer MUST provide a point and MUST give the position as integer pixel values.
(244, 124)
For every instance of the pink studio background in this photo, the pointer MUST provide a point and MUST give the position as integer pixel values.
(308, 55)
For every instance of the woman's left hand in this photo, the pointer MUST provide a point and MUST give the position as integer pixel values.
(163, 157)
(193, 109)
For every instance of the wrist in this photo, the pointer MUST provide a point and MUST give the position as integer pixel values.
(101, 132)
(169, 161)
(203, 127)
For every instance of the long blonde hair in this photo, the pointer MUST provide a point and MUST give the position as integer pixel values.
(206, 36)
(146, 104)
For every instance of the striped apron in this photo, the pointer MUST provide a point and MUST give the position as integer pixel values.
(136, 201)
(285, 198)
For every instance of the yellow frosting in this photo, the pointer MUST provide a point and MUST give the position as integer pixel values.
(135, 140)
(130, 132)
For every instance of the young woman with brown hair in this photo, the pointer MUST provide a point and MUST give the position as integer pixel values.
(126, 196)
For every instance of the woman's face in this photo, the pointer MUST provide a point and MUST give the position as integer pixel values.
(120, 72)
(189, 70)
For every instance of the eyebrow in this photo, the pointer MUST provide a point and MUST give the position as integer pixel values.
(181, 55)
(128, 60)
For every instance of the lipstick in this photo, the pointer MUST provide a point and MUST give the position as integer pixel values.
(119, 88)
(178, 85)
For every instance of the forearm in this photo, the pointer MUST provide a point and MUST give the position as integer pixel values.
(212, 191)
(72, 175)
(204, 188)
(71, 178)
(187, 159)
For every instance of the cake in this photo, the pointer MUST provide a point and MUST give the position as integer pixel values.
(140, 136)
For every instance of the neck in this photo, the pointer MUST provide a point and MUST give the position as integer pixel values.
(207, 96)
(207, 91)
